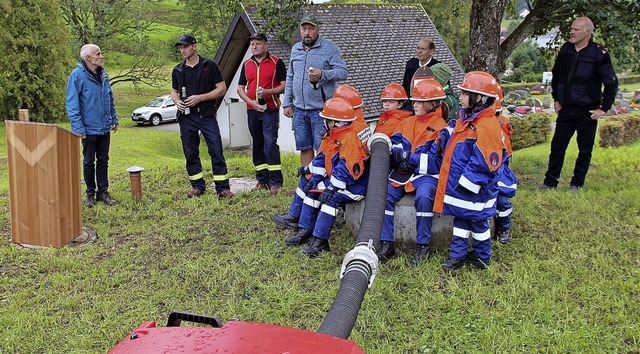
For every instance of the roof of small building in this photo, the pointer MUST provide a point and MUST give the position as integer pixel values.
(375, 40)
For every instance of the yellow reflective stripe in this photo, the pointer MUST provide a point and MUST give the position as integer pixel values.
(197, 176)
(220, 177)
(274, 167)
(261, 167)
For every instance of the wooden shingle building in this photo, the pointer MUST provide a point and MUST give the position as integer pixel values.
(375, 40)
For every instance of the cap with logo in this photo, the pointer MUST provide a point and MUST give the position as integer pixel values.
(186, 39)
(258, 36)
(310, 19)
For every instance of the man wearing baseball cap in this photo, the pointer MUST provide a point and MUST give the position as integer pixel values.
(196, 84)
(316, 65)
(262, 80)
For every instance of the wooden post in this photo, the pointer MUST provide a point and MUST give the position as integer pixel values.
(44, 183)
(23, 115)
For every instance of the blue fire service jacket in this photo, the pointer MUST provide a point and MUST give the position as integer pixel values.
(417, 135)
(472, 164)
(507, 183)
(343, 160)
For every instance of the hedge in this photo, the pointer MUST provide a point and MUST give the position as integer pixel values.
(530, 129)
(619, 130)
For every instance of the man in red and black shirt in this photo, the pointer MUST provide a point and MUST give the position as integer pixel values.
(261, 82)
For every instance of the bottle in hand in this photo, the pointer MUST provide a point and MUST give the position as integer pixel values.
(187, 110)
(261, 100)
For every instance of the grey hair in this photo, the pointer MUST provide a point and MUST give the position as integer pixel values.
(87, 49)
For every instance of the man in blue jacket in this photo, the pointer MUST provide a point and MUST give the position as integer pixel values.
(92, 113)
(316, 65)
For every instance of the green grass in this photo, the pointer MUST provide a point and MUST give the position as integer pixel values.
(566, 283)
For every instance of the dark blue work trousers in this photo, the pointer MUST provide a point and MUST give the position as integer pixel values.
(95, 162)
(190, 127)
(571, 119)
(263, 127)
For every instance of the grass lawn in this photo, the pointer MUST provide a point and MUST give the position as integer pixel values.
(566, 283)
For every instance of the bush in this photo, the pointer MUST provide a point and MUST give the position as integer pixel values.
(619, 130)
(530, 129)
(36, 62)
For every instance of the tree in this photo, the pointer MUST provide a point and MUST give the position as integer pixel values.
(451, 19)
(209, 20)
(616, 28)
(281, 17)
(35, 59)
(105, 21)
(119, 25)
(525, 62)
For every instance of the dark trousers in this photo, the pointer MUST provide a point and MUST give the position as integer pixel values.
(95, 162)
(190, 127)
(570, 120)
(263, 127)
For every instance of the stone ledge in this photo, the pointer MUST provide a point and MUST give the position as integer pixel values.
(405, 224)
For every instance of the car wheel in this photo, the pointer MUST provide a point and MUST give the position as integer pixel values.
(155, 119)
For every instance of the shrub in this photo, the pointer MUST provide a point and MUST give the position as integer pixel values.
(35, 64)
(619, 130)
(530, 129)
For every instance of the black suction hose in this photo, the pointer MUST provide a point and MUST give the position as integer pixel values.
(360, 265)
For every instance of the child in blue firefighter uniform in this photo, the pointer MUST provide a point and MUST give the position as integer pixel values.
(508, 183)
(417, 163)
(335, 177)
(471, 166)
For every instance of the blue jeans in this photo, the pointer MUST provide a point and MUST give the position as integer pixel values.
(95, 162)
(308, 129)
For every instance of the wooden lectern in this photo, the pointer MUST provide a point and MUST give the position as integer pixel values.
(44, 183)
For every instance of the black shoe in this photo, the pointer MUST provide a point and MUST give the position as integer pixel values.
(503, 236)
(452, 264)
(285, 220)
(386, 252)
(90, 201)
(315, 247)
(299, 238)
(473, 259)
(106, 198)
(421, 255)
(261, 186)
(195, 192)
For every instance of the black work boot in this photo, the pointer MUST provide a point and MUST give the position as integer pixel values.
(503, 236)
(473, 259)
(386, 252)
(90, 202)
(421, 255)
(105, 197)
(285, 220)
(299, 238)
(315, 247)
(452, 264)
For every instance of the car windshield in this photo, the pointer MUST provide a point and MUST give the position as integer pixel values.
(156, 102)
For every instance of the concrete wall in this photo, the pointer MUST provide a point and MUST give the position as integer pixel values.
(405, 224)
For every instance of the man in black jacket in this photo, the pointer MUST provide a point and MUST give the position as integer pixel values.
(581, 69)
(424, 57)
(196, 84)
